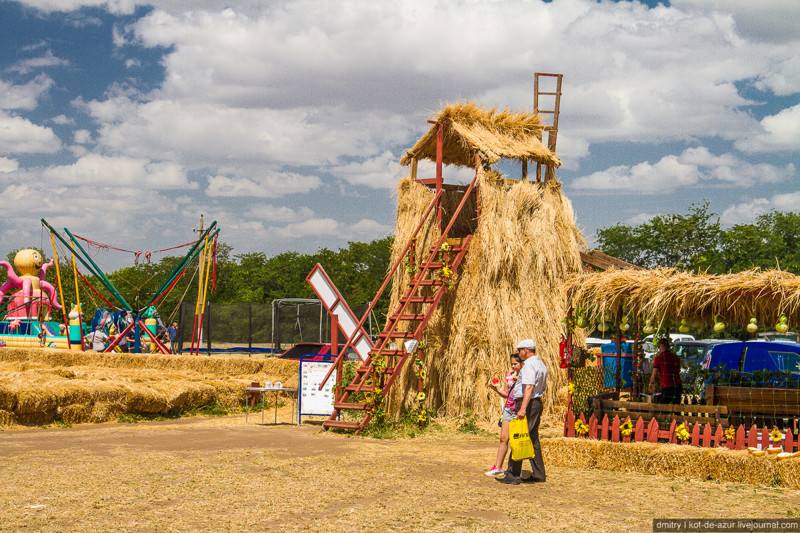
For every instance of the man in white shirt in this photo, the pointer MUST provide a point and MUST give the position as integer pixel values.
(533, 379)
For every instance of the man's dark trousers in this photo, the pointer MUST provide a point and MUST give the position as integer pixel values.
(534, 414)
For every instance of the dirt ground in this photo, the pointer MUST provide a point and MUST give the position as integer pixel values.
(222, 474)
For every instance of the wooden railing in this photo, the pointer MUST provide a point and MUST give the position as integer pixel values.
(703, 435)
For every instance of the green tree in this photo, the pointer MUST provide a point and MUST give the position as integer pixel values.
(772, 241)
(687, 242)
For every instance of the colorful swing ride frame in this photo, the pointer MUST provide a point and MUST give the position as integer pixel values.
(205, 244)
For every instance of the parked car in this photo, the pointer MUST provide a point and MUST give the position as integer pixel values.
(774, 336)
(649, 348)
(752, 356)
(315, 348)
(694, 352)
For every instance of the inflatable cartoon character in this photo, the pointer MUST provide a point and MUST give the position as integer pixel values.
(32, 269)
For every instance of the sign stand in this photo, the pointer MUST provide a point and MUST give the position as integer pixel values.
(310, 400)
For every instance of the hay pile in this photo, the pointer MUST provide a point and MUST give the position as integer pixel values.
(672, 460)
(659, 293)
(507, 289)
(39, 386)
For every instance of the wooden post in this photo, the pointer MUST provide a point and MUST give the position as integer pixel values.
(619, 352)
(414, 168)
(637, 362)
(335, 352)
(439, 180)
(525, 170)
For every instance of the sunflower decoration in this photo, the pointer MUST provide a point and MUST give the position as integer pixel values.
(730, 433)
(445, 247)
(571, 388)
(776, 436)
(682, 433)
(421, 396)
(581, 428)
(626, 428)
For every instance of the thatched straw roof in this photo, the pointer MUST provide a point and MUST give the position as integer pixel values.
(511, 135)
(763, 294)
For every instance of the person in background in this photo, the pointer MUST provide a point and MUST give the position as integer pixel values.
(173, 336)
(508, 412)
(533, 379)
(668, 366)
(97, 340)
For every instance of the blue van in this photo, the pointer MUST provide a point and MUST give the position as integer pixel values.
(755, 355)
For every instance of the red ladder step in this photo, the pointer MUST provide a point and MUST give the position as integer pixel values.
(407, 317)
(345, 405)
(418, 299)
(340, 424)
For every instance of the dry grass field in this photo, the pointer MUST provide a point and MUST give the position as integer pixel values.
(222, 474)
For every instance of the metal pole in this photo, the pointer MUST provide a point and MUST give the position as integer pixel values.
(250, 338)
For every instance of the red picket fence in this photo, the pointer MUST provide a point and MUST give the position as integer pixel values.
(699, 434)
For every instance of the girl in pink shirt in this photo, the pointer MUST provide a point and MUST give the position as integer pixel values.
(508, 415)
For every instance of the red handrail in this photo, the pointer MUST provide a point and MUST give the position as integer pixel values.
(374, 301)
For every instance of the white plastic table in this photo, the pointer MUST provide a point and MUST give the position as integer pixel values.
(264, 391)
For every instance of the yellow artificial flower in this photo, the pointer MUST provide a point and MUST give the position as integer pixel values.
(420, 396)
(445, 246)
(422, 374)
(730, 433)
(776, 435)
(571, 388)
(581, 428)
(447, 272)
(626, 428)
(682, 433)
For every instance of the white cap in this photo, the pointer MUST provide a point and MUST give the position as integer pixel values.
(528, 344)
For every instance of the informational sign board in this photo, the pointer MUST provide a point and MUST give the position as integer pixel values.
(311, 400)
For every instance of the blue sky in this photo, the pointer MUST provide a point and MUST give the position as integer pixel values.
(284, 121)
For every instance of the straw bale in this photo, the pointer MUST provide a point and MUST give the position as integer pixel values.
(672, 460)
(7, 418)
(466, 126)
(667, 293)
(507, 289)
(36, 387)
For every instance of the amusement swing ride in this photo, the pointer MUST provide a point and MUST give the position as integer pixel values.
(25, 319)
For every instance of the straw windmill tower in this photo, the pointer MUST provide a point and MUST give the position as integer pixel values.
(476, 268)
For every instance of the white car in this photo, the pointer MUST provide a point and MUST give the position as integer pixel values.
(649, 348)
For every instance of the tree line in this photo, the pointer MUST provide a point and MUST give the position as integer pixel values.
(697, 242)
(357, 270)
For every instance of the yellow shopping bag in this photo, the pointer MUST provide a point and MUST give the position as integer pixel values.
(520, 440)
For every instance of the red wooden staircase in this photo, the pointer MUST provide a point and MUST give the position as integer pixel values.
(428, 283)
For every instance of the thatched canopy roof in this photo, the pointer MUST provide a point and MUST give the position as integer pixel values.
(660, 293)
(496, 135)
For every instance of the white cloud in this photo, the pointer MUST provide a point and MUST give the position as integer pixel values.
(8, 165)
(688, 169)
(98, 170)
(82, 136)
(780, 132)
(379, 172)
(272, 185)
(747, 212)
(19, 135)
(315, 227)
(367, 229)
(63, 120)
(35, 63)
(24, 96)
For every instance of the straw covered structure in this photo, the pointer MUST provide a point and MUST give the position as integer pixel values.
(38, 386)
(496, 135)
(667, 293)
(672, 460)
(508, 288)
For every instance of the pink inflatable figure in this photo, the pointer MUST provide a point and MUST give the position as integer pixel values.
(32, 270)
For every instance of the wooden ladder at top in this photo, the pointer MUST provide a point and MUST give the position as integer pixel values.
(380, 370)
(552, 130)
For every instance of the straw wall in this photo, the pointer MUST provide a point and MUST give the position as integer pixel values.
(672, 460)
(507, 289)
(38, 386)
